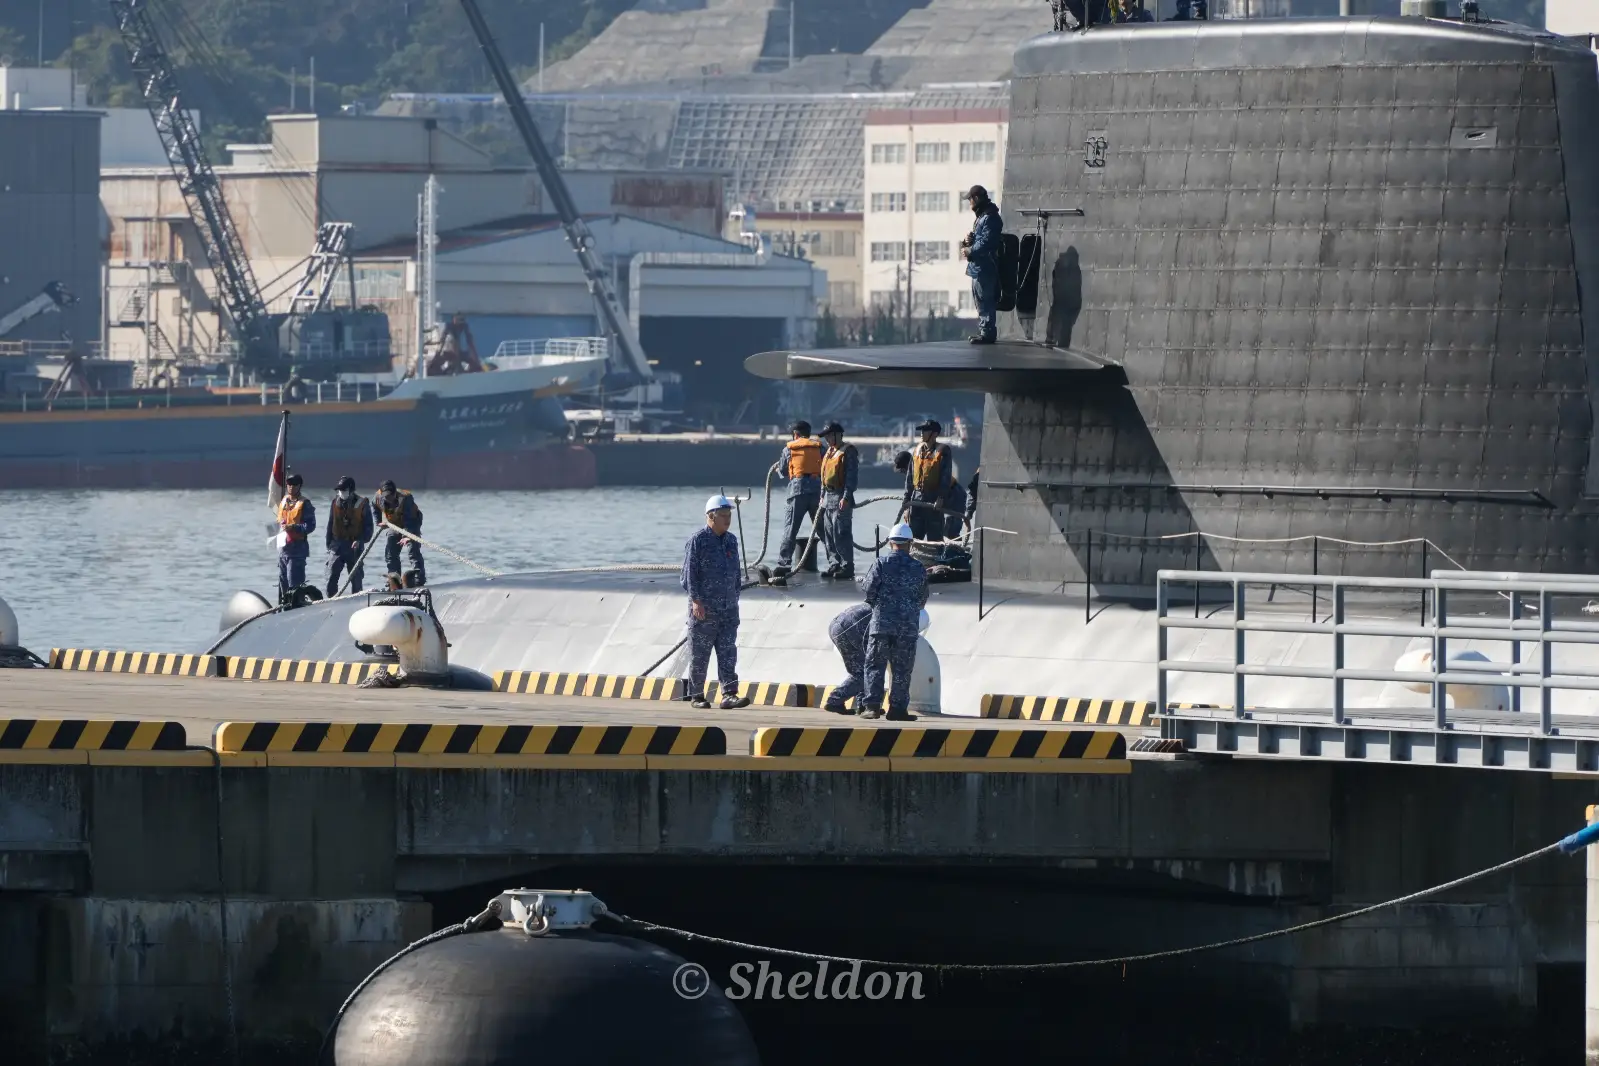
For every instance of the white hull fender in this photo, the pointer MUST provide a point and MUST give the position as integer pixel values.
(927, 683)
(9, 632)
(1461, 697)
(418, 638)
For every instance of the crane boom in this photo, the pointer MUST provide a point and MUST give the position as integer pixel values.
(202, 191)
(578, 234)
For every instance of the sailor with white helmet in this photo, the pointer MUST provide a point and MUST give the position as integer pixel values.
(896, 587)
(711, 576)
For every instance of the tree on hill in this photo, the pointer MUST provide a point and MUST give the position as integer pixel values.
(236, 58)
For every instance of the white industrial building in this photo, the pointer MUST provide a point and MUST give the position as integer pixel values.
(919, 165)
(502, 257)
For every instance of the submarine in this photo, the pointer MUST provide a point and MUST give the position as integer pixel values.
(1294, 295)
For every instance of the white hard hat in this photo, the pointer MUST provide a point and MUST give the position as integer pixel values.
(901, 532)
(718, 503)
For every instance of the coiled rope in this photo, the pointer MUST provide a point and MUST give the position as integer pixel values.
(1569, 844)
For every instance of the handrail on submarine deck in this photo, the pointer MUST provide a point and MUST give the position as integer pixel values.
(1191, 555)
(1522, 592)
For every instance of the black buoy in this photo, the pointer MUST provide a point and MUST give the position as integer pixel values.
(571, 997)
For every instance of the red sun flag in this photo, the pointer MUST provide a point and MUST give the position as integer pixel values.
(280, 463)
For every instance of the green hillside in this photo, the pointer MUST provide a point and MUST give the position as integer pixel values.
(237, 56)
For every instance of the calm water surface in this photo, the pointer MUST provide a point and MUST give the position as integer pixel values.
(151, 570)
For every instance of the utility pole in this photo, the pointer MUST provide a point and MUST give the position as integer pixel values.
(791, 34)
(427, 242)
(294, 84)
(313, 85)
(541, 57)
(41, 33)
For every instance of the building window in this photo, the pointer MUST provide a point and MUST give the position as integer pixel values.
(888, 153)
(932, 251)
(963, 300)
(888, 201)
(929, 300)
(932, 201)
(884, 300)
(838, 242)
(842, 295)
(888, 251)
(977, 151)
(933, 152)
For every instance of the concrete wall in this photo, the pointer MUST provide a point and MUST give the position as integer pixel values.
(109, 886)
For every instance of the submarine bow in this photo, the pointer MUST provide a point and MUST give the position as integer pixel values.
(1006, 366)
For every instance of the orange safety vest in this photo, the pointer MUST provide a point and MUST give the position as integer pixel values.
(346, 521)
(833, 469)
(804, 457)
(289, 512)
(926, 474)
(397, 514)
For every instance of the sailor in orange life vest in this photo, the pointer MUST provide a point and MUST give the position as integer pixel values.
(841, 468)
(928, 481)
(801, 464)
(296, 522)
(349, 528)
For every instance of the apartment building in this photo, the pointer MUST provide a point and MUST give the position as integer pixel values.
(919, 165)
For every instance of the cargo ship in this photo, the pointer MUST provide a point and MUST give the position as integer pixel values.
(502, 428)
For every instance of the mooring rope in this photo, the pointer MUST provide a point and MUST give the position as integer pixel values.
(1570, 845)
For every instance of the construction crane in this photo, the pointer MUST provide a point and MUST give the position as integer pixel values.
(578, 234)
(326, 341)
(52, 298)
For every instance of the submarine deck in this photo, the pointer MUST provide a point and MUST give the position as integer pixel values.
(202, 704)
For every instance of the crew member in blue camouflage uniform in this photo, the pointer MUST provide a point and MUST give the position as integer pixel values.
(712, 575)
(841, 468)
(896, 588)
(980, 249)
(801, 464)
(848, 632)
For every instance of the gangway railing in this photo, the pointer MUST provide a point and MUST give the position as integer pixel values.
(1523, 613)
(525, 354)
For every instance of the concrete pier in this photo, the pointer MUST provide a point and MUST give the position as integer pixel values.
(116, 869)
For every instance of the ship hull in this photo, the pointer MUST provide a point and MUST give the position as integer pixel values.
(493, 442)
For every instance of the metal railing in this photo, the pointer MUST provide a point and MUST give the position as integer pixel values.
(523, 355)
(1540, 594)
(1082, 546)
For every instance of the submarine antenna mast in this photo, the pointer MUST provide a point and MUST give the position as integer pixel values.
(202, 191)
(577, 231)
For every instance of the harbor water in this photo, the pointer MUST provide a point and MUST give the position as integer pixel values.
(150, 570)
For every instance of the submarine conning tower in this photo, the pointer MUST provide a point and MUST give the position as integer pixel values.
(1331, 276)
(1331, 256)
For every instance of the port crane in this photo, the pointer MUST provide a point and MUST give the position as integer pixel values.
(318, 341)
(636, 368)
(52, 298)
